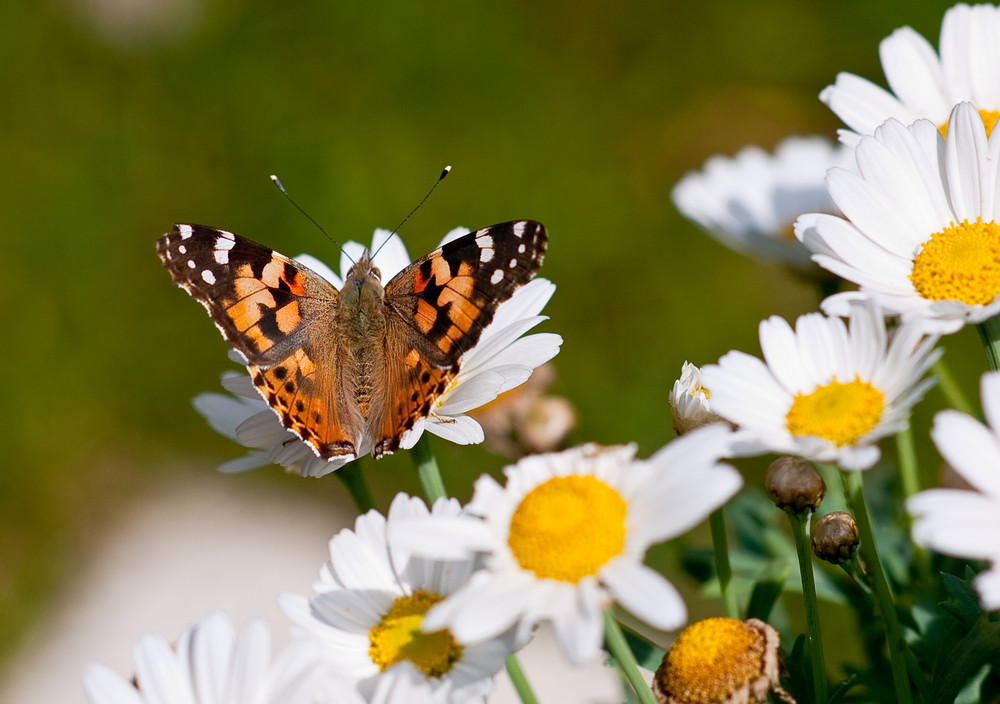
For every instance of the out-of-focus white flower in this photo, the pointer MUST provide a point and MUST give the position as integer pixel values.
(749, 202)
(959, 522)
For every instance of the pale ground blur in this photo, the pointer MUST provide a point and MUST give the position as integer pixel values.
(186, 551)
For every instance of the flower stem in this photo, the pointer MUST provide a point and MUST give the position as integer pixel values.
(354, 480)
(989, 332)
(907, 456)
(625, 658)
(950, 388)
(427, 469)
(814, 639)
(854, 488)
(722, 569)
(520, 682)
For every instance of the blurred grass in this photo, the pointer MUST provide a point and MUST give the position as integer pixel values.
(581, 115)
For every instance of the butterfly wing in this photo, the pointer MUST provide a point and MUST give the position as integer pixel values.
(279, 315)
(437, 309)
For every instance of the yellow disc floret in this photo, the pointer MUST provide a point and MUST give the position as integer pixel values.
(838, 412)
(398, 637)
(961, 263)
(989, 118)
(712, 659)
(568, 527)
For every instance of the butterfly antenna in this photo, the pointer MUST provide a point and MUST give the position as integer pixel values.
(277, 182)
(444, 172)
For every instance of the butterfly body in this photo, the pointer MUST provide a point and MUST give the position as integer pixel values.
(351, 371)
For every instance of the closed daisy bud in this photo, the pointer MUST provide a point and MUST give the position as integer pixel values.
(794, 485)
(721, 661)
(835, 537)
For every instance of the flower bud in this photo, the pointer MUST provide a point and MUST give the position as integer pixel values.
(689, 405)
(835, 537)
(794, 485)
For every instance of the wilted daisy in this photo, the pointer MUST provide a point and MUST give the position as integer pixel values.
(370, 600)
(502, 359)
(921, 236)
(565, 538)
(824, 391)
(959, 522)
(923, 84)
(210, 664)
(749, 202)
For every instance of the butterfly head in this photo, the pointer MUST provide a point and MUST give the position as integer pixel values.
(363, 285)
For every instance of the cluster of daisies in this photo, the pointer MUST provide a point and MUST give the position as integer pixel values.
(429, 603)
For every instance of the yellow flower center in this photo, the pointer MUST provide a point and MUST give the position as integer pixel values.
(989, 118)
(712, 659)
(568, 527)
(398, 637)
(960, 263)
(840, 413)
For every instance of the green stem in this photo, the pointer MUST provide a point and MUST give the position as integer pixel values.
(722, 569)
(625, 658)
(800, 529)
(854, 488)
(989, 332)
(949, 387)
(907, 456)
(521, 685)
(354, 480)
(427, 469)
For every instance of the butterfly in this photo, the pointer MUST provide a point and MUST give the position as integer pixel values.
(351, 371)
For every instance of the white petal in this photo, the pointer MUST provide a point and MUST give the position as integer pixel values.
(646, 594)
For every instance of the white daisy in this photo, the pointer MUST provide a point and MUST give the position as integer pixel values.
(923, 84)
(502, 359)
(368, 605)
(921, 236)
(689, 401)
(749, 202)
(959, 522)
(565, 538)
(823, 391)
(210, 664)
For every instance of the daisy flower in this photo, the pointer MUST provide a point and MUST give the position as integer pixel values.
(921, 236)
(565, 538)
(370, 600)
(749, 202)
(960, 522)
(824, 391)
(502, 359)
(210, 664)
(925, 85)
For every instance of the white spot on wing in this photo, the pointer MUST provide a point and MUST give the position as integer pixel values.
(222, 256)
(519, 229)
(185, 230)
(513, 263)
(226, 242)
(208, 276)
(191, 264)
(521, 248)
(182, 249)
(486, 255)
(497, 277)
(484, 240)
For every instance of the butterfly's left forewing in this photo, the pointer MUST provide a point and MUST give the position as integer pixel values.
(279, 315)
(437, 309)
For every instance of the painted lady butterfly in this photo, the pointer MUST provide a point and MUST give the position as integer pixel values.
(351, 371)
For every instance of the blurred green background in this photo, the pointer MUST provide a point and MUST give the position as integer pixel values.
(121, 118)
